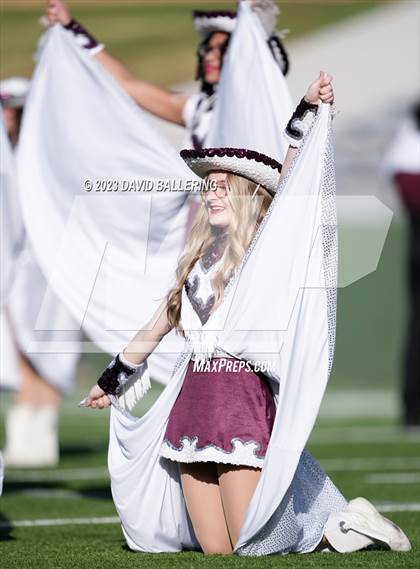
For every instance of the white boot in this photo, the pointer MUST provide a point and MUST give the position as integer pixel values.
(31, 436)
(361, 525)
(46, 445)
(18, 425)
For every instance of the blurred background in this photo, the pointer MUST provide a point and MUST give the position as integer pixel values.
(372, 50)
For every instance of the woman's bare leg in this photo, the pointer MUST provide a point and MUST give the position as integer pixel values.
(237, 485)
(202, 496)
(35, 390)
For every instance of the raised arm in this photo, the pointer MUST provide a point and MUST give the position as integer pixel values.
(161, 102)
(319, 91)
(130, 359)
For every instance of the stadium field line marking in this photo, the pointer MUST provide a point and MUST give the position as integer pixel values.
(369, 463)
(60, 522)
(59, 475)
(393, 478)
(364, 435)
(389, 507)
(61, 493)
(101, 473)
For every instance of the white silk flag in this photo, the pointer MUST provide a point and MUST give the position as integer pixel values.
(103, 226)
(23, 289)
(253, 102)
(12, 232)
(12, 235)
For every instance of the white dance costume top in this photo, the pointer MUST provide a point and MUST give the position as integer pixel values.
(197, 115)
(198, 284)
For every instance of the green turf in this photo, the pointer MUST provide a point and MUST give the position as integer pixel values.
(83, 445)
(370, 319)
(157, 42)
(364, 325)
(102, 547)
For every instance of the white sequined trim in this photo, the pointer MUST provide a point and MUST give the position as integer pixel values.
(243, 452)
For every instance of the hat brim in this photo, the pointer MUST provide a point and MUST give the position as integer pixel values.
(254, 166)
(207, 22)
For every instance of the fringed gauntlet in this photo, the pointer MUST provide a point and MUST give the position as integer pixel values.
(300, 122)
(124, 382)
(117, 373)
(83, 37)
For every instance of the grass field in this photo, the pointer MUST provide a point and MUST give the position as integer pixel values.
(358, 442)
(382, 465)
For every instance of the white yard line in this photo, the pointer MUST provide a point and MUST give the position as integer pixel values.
(330, 464)
(60, 522)
(374, 434)
(61, 475)
(340, 404)
(48, 493)
(356, 403)
(389, 507)
(393, 478)
(365, 463)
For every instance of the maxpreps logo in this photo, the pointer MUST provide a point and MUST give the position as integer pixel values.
(216, 365)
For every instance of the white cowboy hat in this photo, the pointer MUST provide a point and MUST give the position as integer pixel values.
(250, 164)
(207, 22)
(13, 91)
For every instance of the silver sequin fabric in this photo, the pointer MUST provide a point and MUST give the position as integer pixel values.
(297, 525)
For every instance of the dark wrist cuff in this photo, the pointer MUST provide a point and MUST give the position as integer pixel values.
(300, 122)
(115, 375)
(85, 39)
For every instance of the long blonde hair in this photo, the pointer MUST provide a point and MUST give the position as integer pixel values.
(247, 215)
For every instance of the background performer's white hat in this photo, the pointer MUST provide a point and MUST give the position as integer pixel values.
(13, 91)
(207, 22)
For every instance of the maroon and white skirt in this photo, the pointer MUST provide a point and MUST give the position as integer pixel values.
(221, 416)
